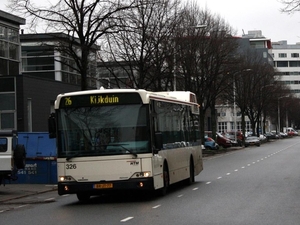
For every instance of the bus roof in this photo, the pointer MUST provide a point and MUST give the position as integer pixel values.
(181, 97)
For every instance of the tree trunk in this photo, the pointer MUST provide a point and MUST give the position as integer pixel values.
(201, 124)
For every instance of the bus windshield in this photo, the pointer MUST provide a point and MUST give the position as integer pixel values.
(103, 130)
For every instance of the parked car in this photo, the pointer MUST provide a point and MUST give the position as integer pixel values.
(252, 140)
(270, 135)
(223, 141)
(232, 139)
(239, 137)
(262, 138)
(290, 131)
(220, 139)
(283, 134)
(210, 143)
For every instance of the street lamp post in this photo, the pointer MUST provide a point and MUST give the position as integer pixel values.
(278, 113)
(234, 111)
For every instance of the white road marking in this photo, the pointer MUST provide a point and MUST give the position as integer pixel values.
(219, 178)
(179, 196)
(208, 182)
(194, 189)
(155, 207)
(126, 219)
(20, 206)
(49, 200)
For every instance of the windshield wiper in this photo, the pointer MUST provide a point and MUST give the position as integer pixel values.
(126, 149)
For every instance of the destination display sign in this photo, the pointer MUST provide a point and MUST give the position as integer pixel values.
(100, 99)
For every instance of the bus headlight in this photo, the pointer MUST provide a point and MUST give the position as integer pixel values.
(141, 174)
(65, 178)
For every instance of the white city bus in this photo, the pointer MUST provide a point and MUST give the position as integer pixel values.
(125, 139)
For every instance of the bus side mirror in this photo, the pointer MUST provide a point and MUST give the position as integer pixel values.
(52, 126)
(158, 141)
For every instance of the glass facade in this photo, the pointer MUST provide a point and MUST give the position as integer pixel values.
(9, 50)
(7, 103)
(9, 68)
(46, 62)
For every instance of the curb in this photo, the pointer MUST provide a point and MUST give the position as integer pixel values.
(17, 197)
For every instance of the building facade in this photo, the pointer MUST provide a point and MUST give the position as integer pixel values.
(43, 57)
(10, 53)
(287, 64)
(32, 74)
(227, 117)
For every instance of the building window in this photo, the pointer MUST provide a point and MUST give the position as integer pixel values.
(223, 114)
(9, 50)
(222, 127)
(294, 63)
(295, 55)
(248, 126)
(238, 126)
(37, 58)
(293, 73)
(282, 64)
(282, 55)
(3, 49)
(7, 103)
(7, 120)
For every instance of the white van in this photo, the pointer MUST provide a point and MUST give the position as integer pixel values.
(290, 131)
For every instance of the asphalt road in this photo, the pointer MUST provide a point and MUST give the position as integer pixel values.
(255, 186)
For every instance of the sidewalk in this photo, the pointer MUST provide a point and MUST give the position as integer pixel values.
(17, 191)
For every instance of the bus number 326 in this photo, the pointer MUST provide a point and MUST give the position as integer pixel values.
(70, 166)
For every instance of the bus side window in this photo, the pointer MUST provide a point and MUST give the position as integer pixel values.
(158, 141)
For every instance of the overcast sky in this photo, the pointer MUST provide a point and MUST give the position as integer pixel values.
(245, 15)
(264, 15)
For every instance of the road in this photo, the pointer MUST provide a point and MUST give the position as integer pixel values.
(256, 185)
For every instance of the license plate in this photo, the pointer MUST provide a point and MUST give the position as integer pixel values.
(103, 186)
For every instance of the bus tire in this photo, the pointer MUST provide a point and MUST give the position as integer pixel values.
(166, 180)
(191, 178)
(20, 157)
(83, 197)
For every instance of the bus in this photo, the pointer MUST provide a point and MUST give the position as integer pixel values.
(125, 140)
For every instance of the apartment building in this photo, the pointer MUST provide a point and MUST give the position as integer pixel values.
(229, 119)
(287, 63)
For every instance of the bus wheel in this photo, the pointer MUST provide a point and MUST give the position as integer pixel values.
(83, 197)
(191, 179)
(20, 156)
(164, 189)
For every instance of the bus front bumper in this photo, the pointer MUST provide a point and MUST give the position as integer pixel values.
(94, 188)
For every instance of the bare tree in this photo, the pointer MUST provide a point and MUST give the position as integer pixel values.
(290, 6)
(84, 21)
(143, 49)
(206, 56)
